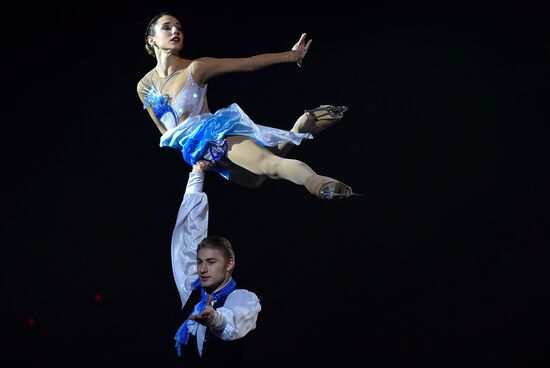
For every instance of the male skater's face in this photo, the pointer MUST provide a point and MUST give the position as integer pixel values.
(213, 268)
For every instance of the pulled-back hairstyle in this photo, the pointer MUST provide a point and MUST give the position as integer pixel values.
(150, 31)
(220, 243)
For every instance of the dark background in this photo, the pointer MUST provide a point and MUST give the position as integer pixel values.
(439, 263)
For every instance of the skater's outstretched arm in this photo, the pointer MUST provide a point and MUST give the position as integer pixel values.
(207, 67)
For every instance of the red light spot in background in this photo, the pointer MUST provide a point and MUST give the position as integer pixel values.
(31, 321)
(97, 298)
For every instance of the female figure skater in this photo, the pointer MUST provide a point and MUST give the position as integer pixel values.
(174, 94)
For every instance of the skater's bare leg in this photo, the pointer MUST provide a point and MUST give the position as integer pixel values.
(247, 154)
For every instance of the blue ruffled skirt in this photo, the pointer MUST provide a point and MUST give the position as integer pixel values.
(203, 136)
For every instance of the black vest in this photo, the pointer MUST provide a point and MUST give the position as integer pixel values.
(215, 351)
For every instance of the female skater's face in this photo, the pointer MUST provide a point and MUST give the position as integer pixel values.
(168, 33)
(214, 269)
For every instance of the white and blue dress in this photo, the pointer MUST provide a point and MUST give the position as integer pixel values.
(202, 135)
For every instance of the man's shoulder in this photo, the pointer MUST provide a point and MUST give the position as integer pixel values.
(244, 294)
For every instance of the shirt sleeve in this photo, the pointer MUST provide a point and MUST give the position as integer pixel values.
(191, 227)
(240, 312)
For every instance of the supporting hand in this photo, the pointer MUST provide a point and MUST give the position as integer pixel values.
(202, 166)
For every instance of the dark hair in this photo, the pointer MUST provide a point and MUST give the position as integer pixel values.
(220, 243)
(150, 31)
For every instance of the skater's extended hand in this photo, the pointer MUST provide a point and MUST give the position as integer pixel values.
(301, 46)
(206, 317)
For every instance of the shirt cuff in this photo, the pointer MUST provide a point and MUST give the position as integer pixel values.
(195, 182)
(218, 323)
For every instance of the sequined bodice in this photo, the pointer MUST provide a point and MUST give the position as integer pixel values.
(189, 100)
